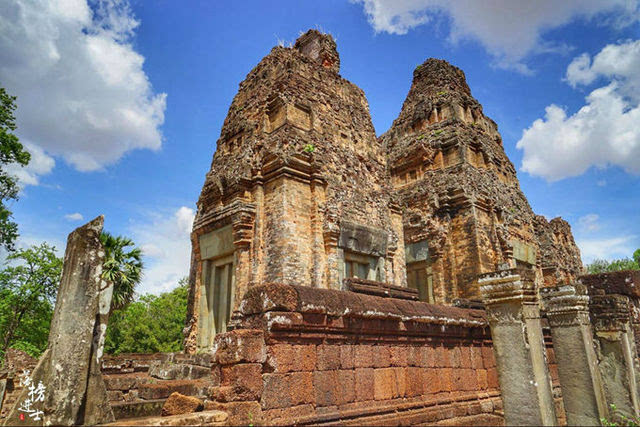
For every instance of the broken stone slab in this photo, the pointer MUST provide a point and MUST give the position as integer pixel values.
(178, 404)
(204, 418)
(68, 373)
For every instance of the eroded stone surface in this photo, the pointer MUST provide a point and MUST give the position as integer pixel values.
(177, 404)
(70, 367)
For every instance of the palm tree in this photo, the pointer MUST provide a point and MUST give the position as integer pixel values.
(122, 268)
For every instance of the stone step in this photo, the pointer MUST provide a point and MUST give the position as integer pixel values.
(208, 418)
(137, 409)
(179, 371)
(163, 388)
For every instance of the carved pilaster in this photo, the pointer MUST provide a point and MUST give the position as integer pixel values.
(514, 317)
(616, 350)
(567, 309)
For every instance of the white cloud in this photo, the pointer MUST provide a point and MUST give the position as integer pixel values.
(74, 217)
(589, 222)
(603, 132)
(607, 248)
(509, 30)
(166, 245)
(82, 92)
(40, 164)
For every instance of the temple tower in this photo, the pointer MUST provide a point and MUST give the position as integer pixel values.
(463, 211)
(298, 191)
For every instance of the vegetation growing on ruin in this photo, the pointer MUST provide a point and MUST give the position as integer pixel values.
(604, 266)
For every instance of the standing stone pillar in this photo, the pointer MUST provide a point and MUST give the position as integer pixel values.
(616, 350)
(583, 395)
(514, 317)
(68, 388)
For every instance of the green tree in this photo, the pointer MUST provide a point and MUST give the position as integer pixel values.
(604, 266)
(11, 151)
(122, 267)
(149, 324)
(27, 292)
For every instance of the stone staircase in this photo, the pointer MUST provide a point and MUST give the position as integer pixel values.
(139, 384)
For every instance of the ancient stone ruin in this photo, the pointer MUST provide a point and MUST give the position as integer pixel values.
(342, 278)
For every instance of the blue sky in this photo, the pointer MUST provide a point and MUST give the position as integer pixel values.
(121, 103)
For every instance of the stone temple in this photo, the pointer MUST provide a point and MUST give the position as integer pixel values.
(339, 278)
(302, 192)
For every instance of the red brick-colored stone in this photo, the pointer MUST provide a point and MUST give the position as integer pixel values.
(488, 358)
(442, 357)
(398, 355)
(446, 379)
(347, 358)
(347, 382)
(328, 357)
(363, 356)
(245, 378)
(381, 356)
(326, 387)
(385, 384)
(432, 383)
(364, 384)
(415, 381)
(401, 381)
(465, 357)
(240, 345)
(476, 357)
(286, 390)
(177, 404)
(492, 378)
(481, 375)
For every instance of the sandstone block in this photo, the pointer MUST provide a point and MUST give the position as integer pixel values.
(286, 390)
(381, 356)
(240, 345)
(363, 356)
(240, 413)
(327, 388)
(385, 384)
(398, 355)
(180, 404)
(245, 378)
(364, 384)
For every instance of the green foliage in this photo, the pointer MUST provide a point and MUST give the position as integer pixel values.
(619, 418)
(421, 137)
(149, 324)
(28, 288)
(438, 132)
(11, 151)
(418, 67)
(309, 148)
(604, 266)
(121, 267)
(442, 93)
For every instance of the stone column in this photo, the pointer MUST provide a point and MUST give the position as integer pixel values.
(68, 373)
(583, 395)
(514, 317)
(616, 350)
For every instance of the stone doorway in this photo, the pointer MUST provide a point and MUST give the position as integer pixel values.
(420, 277)
(218, 292)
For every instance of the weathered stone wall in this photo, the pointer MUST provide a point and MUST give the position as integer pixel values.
(302, 355)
